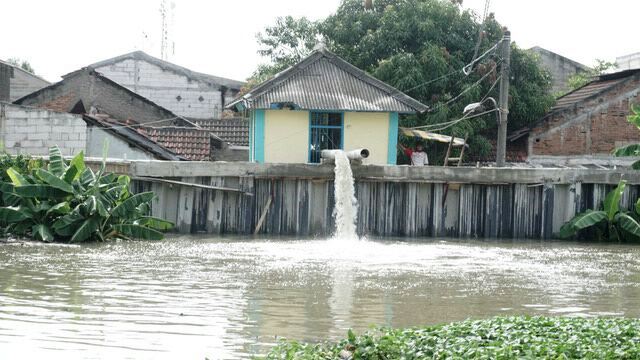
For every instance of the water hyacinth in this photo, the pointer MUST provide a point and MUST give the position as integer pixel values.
(496, 338)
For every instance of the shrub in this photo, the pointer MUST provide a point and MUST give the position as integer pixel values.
(67, 201)
(610, 223)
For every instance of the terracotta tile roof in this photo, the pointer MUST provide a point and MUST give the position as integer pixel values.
(191, 143)
(127, 132)
(234, 131)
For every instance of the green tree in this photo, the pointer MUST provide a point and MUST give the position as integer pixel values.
(583, 78)
(22, 64)
(632, 149)
(420, 47)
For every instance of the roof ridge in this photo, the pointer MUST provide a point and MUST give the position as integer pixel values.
(25, 71)
(181, 70)
(282, 77)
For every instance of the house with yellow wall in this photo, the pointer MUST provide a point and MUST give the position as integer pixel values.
(323, 102)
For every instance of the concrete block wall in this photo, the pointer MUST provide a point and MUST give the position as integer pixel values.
(187, 97)
(24, 83)
(32, 131)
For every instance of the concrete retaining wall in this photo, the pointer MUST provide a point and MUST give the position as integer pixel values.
(393, 200)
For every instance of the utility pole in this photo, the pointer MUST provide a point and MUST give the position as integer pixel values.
(504, 98)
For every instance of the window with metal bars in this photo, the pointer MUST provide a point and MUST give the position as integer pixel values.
(325, 133)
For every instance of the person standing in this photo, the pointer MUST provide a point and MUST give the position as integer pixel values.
(418, 156)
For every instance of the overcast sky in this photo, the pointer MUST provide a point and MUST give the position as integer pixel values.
(218, 37)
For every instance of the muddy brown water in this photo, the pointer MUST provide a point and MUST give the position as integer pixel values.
(229, 298)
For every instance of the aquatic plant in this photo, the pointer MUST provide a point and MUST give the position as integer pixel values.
(610, 223)
(67, 201)
(519, 337)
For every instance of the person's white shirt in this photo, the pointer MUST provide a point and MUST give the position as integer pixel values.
(419, 158)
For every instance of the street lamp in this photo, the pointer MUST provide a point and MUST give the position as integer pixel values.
(478, 107)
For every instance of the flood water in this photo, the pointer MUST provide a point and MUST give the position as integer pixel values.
(229, 298)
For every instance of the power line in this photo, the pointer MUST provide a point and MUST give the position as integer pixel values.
(453, 122)
(481, 30)
(465, 90)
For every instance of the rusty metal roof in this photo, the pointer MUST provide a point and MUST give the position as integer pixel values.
(324, 81)
(234, 131)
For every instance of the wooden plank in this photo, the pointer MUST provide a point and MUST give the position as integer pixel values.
(200, 186)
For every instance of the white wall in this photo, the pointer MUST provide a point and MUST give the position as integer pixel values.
(117, 148)
(197, 99)
(26, 130)
(32, 131)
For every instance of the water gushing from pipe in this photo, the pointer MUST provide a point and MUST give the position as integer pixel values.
(345, 211)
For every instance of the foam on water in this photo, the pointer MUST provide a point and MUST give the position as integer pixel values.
(345, 211)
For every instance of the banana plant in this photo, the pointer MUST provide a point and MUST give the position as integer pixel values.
(632, 149)
(70, 202)
(610, 223)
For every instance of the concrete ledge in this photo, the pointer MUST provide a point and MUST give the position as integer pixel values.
(436, 174)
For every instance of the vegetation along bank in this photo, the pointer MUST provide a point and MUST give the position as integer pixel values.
(496, 338)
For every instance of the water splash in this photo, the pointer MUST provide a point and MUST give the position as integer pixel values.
(345, 211)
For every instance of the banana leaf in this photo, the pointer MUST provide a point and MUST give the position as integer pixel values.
(62, 208)
(54, 181)
(155, 223)
(588, 219)
(9, 214)
(612, 201)
(129, 206)
(87, 177)
(138, 232)
(42, 232)
(629, 150)
(56, 162)
(76, 167)
(16, 178)
(85, 230)
(628, 224)
(40, 191)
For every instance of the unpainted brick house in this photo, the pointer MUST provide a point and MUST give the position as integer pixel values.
(587, 123)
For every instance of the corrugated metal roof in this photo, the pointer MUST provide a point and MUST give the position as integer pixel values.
(323, 81)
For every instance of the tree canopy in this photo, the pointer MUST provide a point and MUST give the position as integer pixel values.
(419, 47)
(22, 64)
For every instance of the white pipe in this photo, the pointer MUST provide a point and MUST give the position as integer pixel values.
(357, 154)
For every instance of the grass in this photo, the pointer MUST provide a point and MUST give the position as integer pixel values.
(496, 338)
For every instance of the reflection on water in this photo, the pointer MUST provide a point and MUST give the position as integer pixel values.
(231, 298)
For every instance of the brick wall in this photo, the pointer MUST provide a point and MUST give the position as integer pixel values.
(595, 127)
(187, 97)
(33, 131)
(100, 92)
